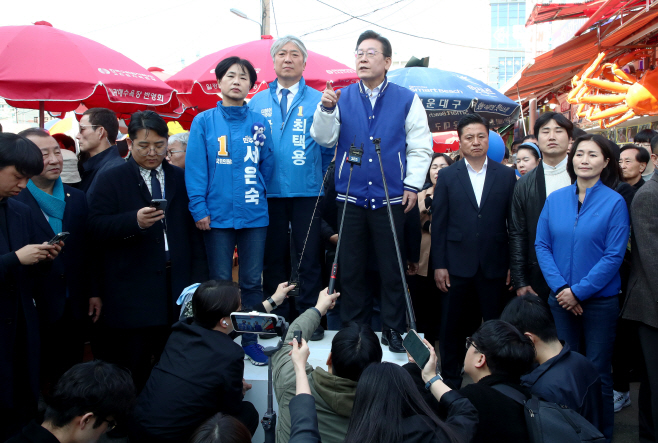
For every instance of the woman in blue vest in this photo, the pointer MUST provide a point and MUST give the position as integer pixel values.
(581, 239)
(229, 160)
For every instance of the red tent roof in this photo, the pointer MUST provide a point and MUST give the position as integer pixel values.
(596, 10)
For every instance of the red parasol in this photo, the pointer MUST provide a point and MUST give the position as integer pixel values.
(446, 141)
(197, 85)
(48, 69)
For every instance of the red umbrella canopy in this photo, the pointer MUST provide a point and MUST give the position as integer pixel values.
(197, 85)
(39, 63)
(446, 141)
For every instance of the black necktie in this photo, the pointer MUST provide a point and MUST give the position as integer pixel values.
(156, 190)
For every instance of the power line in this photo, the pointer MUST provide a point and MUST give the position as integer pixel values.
(417, 36)
(352, 17)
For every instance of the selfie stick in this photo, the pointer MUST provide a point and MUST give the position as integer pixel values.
(354, 158)
(407, 295)
(269, 418)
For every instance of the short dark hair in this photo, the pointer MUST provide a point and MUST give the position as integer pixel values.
(372, 35)
(577, 132)
(214, 300)
(98, 387)
(654, 145)
(529, 137)
(642, 154)
(529, 313)
(610, 174)
(105, 118)
(34, 132)
(506, 156)
(560, 119)
(149, 120)
(353, 348)
(517, 141)
(470, 119)
(224, 65)
(21, 153)
(221, 428)
(645, 136)
(507, 350)
(446, 157)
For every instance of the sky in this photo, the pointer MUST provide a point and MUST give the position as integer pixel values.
(171, 34)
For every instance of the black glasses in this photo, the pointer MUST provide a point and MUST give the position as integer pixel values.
(469, 343)
(111, 424)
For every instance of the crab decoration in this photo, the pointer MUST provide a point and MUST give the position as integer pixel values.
(614, 95)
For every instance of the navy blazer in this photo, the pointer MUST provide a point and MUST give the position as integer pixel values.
(16, 300)
(465, 236)
(72, 268)
(131, 273)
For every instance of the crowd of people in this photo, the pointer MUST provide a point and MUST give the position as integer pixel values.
(543, 268)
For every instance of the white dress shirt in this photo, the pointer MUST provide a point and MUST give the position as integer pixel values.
(477, 178)
(556, 177)
(294, 89)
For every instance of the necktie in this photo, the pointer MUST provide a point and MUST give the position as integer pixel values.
(284, 103)
(156, 190)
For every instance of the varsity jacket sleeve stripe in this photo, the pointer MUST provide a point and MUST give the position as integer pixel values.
(326, 128)
(419, 146)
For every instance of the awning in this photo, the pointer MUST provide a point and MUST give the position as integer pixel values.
(555, 68)
(595, 9)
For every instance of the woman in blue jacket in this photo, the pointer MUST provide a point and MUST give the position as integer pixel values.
(581, 239)
(229, 160)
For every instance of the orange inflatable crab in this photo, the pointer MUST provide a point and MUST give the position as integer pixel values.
(614, 96)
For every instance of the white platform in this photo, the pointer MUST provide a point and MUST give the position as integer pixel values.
(257, 375)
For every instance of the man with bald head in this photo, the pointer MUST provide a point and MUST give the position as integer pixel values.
(65, 298)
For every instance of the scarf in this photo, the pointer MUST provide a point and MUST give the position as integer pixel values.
(52, 205)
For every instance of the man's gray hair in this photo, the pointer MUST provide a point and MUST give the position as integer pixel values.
(280, 43)
(182, 137)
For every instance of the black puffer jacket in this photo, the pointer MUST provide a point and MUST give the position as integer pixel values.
(527, 204)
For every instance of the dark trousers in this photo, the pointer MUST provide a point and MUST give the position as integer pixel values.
(467, 303)
(426, 298)
(362, 225)
(295, 213)
(62, 346)
(136, 349)
(649, 343)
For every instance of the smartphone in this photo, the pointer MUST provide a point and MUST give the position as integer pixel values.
(294, 292)
(159, 203)
(254, 322)
(58, 238)
(416, 348)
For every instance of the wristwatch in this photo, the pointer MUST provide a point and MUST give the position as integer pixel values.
(428, 385)
(271, 301)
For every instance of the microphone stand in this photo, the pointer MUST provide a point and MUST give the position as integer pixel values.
(354, 158)
(407, 295)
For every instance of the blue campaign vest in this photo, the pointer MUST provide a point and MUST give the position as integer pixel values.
(298, 159)
(360, 124)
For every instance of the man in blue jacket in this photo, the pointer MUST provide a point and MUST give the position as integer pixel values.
(561, 376)
(371, 109)
(296, 180)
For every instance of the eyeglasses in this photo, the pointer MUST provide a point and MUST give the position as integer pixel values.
(170, 153)
(370, 53)
(111, 424)
(83, 127)
(146, 150)
(469, 343)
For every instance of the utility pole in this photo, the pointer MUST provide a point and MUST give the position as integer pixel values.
(266, 17)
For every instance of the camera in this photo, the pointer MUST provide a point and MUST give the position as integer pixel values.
(257, 323)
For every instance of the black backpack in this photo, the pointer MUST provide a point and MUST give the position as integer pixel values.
(548, 422)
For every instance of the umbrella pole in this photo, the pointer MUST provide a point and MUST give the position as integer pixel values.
(42, 110)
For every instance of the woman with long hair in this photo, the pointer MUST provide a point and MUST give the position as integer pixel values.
(581, 240)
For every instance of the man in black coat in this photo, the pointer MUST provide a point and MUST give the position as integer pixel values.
(65, 297)
(148, 255)
(470, 252)
(20, 269)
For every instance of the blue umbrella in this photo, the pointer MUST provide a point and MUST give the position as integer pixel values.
(447, 96)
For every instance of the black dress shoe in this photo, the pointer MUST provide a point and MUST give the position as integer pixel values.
(393, 340)
(318, 334)
(268, 335)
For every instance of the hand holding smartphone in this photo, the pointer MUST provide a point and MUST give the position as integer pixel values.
(58, 238)
(416, 348)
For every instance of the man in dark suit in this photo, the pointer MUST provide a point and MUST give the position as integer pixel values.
(641, 305)
(64, 298)
(149, 255)
(470, 252)
(20, 268)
